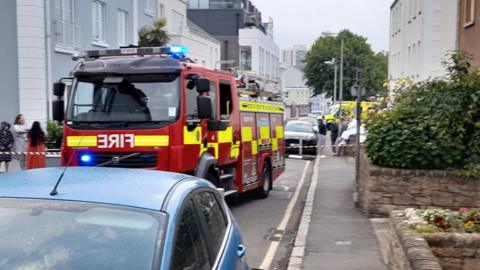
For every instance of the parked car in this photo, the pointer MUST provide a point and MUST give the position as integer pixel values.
(312, 120)
(297, 130)
(104, 218)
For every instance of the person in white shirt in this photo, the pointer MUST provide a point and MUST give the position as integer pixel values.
(20, 130)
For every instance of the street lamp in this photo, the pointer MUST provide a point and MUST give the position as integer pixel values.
(334, 63)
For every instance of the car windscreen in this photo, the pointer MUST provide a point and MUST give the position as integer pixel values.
(299, 127)
(40, 234)
(132, 98)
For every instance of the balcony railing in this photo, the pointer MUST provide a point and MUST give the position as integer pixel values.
(67, 33)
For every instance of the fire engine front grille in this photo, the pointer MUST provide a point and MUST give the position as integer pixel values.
(142, 160)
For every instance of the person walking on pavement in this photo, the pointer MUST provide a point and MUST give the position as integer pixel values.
(333, 128)
(6, 144)
(322, 130)
(20, 130)
(36, 143)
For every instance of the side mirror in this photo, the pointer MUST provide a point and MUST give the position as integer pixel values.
(203, 85)
(204, 106)
(59, 89)
(58, 112)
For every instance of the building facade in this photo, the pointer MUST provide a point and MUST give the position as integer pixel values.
(42, 35)
(469, 30)
(296, 94)
(248, 44)
(422, 34)
(295, 56)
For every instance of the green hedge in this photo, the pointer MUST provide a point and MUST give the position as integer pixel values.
(433, 125)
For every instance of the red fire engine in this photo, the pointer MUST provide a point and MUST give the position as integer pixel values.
(153, 108)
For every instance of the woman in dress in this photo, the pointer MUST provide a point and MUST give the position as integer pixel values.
(6, 144)
(20, 133)
(36, 143)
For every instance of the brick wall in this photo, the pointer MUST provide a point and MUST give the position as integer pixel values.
(384, 189)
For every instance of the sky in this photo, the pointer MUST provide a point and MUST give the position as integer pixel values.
(303, 21)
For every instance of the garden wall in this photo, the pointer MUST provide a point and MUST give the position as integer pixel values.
(449, 251)
(384, 189)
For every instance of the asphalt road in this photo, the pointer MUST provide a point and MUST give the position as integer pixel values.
(259, 219)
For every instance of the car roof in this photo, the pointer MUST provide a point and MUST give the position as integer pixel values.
(135, 188)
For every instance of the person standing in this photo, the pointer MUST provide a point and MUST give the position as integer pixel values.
(20, 135)
(6, 144)
(36, 143)
(322, 131)
(333, 127)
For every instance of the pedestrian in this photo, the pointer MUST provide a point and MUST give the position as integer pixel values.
(6, 144)
(36, 144)
(20, 130)
(333, 128)
(322, 131)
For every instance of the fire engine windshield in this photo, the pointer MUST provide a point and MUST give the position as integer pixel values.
(128, 99)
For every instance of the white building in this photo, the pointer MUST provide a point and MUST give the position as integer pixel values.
(422, 32)
(296, 93)
(295, 56)
(259, 56)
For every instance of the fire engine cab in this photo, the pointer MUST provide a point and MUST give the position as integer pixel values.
(153, 108)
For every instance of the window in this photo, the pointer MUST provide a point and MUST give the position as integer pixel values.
(226, 105)
(150, 7)
(177, 23)
(122, 27)
(469, 17)
(66, 31)
(98, 12)
(214, 218)
(190, 243)
(161, 10)
(192, 94)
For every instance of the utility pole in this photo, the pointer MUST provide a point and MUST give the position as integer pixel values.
(335, 83)
(341, 82)
(357, 91)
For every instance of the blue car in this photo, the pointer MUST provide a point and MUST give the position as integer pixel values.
(104, 218)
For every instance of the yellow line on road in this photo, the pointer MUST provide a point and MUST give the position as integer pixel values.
(272, 249)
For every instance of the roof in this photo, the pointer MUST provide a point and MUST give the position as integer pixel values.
(135, 188)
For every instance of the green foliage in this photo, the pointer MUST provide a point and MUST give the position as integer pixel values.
(54, 134)
(358, 55)
(433, 125)
(153, 36)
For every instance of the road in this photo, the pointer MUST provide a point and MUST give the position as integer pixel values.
(260, 219)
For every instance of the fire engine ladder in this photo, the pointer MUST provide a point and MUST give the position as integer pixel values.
(258, 94)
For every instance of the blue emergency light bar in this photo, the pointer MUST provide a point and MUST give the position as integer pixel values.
(174, 51)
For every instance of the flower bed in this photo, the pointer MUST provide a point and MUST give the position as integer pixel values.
(440, 220)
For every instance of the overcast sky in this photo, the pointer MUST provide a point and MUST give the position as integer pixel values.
(303, 21)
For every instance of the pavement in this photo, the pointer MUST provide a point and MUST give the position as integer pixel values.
(338, 235)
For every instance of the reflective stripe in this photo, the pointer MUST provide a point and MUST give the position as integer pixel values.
(82, 141)
(247, 106)
(193, 137)
(215, 147)
(254, 147)
(264, 133)
(247, 135)
(225, 136)
(151, 140)
(279, 132)
(235, 151)
(275, 144)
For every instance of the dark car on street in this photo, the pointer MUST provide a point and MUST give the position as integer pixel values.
(300, 134)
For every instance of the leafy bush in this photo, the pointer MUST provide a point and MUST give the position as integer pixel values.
(54, 135)
(433, 125)
(440, 220)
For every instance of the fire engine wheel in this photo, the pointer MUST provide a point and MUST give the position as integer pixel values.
(264, 190)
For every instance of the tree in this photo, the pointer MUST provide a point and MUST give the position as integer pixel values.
(153, 36)
(358, 56)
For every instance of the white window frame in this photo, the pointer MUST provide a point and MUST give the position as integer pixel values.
(122, 27)
(472, 14)
(99, 23)
(150, 6)
(161, 10)
(67, 24)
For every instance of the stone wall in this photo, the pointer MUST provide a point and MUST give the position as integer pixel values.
(409, 250)
(384, 189)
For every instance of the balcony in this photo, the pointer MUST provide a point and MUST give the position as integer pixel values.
(67, 34)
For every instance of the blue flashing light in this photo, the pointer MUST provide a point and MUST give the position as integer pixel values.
(86, 158)
(178, 50)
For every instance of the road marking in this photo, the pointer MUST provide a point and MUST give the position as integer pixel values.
(272, 249)
(300, 244)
